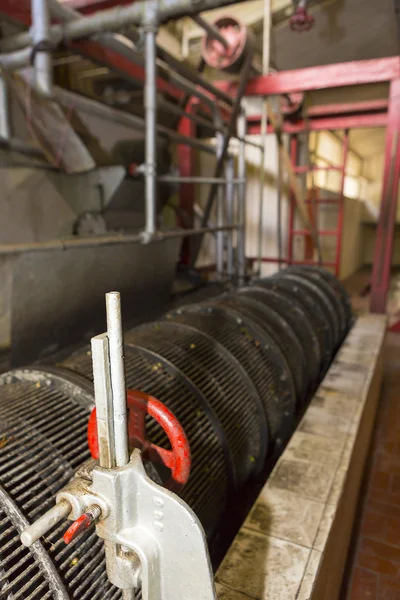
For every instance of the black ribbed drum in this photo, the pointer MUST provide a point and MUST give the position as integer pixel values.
(265, 366)
(153, 374)
(300, 295)
(337, 288)
(223, 383)
(321, 293)
(278, 329)
(43, 428)
(296, 319)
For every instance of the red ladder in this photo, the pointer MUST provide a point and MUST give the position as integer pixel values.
(314, 203)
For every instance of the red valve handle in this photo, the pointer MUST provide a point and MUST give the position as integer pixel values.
(301, 20)
(178, 459)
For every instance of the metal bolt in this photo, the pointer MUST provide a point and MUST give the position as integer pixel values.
(84, 521)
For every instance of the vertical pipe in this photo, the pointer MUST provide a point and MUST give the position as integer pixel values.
(117, 374)
(292, 203)
(262, 186)
(150, 106)
(341, 204)
(241, 235)
(230, 191)
(220, 236)
(5, 130)
(41, 35)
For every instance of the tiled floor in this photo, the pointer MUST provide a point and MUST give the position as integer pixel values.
(374, 565)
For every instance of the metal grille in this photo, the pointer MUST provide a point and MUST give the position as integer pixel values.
(338, 289)
(296, 319)
(43, 433)
(264, 367)
(278, 329)
(327, 306)
(151, 374)
(222, 382)
(297, 294)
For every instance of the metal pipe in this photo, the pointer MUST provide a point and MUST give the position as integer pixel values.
(205, 180)
(42, 61)
(114, 19)
(109, 240)
(5, 129)
(262, 186)
(230, 190)
(219, 243)
(241, 236)
(150, 107)
(117, 373)
(46, 522)
(211, 30)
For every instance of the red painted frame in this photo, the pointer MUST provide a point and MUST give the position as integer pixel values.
(377, 113)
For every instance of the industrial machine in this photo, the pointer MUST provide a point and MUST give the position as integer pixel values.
(216, 389)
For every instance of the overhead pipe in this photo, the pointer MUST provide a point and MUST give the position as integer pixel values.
(106, 240)
(114, 19)
(150, 107)
(41, 50)
(241, 235)
(65, 14)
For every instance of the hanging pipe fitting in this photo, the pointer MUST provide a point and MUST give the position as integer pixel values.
(301, 20)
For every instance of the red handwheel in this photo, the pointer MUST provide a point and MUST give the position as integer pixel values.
(178, 459)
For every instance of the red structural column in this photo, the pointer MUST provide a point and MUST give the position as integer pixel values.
(387, 218)
(186, 157)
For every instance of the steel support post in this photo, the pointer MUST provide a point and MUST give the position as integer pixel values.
(186, 189)
(241, 193)
(230, 198)
(387, 217)
(220, 237)
(150, 105)
(292, 201)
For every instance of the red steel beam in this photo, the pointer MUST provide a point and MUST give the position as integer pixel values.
(322, 77)
(320, 124)
(342, 108)
(387, 217)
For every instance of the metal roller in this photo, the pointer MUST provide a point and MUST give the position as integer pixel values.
(267, 318)
(299, 295)
(223, 382)
(150, 372)
(336, 286)
(258, 355)
(297, 320)
(321, 293)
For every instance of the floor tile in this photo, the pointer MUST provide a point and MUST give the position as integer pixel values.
(274, 572)
(284, 515)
